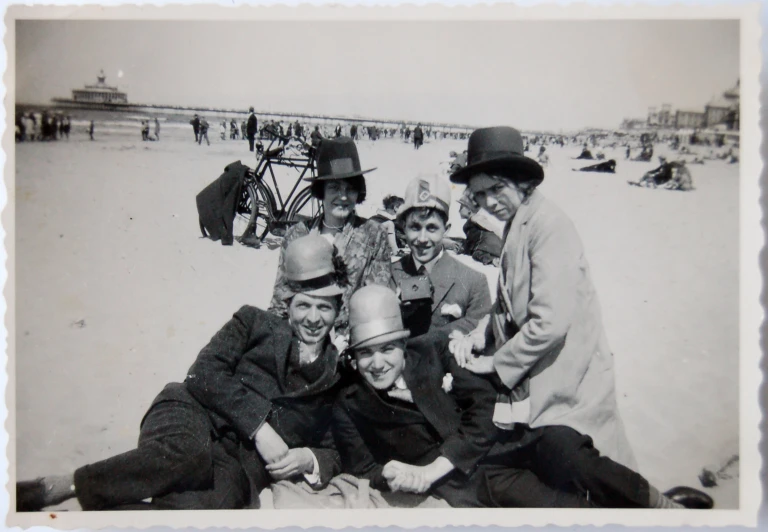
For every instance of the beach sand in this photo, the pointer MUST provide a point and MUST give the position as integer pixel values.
(116, 291)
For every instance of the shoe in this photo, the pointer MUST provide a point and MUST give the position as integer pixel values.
(690, 498)
(30, 496)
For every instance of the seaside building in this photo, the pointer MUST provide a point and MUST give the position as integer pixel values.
(689, 119)
(99, 93)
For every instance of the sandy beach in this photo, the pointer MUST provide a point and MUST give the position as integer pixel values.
(116, 291)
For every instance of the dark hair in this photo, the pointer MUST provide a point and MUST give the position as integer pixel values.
(317, 188)
(423, 213)
(391, 201)
(525, 184)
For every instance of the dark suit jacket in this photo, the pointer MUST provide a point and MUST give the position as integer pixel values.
(370, 431)
(240, 377)
(252, 125)
(454, 283)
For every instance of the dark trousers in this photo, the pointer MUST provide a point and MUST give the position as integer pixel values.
(561, 458)
(179, 463)
(251, 139)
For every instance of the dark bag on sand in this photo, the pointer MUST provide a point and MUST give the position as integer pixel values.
(217, 203)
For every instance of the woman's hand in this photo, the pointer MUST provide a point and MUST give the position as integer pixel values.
(481, 365)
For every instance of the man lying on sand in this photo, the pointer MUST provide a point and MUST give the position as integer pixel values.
(255, 407)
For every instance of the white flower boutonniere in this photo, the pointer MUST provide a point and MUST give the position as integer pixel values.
(447, 383)
(453, 310)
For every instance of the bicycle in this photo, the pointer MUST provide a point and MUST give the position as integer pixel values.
(261, 209)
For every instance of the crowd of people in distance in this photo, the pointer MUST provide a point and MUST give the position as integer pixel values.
(42, 126)
(403, 374)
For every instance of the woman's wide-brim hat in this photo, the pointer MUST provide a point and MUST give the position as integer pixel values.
(498, 149)
(309, 267)
(375, 317)
(337, 159)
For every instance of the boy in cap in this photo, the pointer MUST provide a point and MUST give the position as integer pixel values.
(414, 421)
(438, 292)
(255, 406)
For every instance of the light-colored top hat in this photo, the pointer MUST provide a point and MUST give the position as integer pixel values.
(428, 191)
(309, 267)
(375, 317)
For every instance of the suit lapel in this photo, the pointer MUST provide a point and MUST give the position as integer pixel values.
(442, 280)
(421, 376)
(281, 347)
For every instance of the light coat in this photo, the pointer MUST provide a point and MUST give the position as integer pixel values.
(555, 332)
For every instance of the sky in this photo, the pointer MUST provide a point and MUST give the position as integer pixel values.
(534, 75)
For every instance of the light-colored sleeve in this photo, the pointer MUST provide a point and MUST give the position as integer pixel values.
(557, 268)
(379, 268)
(313, 478)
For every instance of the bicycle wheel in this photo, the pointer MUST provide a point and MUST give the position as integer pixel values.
(304, 207)
(252, 215)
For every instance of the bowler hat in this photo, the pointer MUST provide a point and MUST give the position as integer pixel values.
(428, 191)
(337, 159)
(375, 317)
(498, 148)
(310, 268)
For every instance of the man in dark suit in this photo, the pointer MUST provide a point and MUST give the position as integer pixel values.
(256, 406)
(251, 128)
(459, 296)
(416, 422)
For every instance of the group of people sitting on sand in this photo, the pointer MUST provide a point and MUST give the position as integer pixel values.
(404, 375)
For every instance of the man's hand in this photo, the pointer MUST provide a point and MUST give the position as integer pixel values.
(481, 365)
(295, 462)
(407, 478)
(269, 444)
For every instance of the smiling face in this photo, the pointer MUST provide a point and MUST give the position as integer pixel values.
(381, 365)
(424, 231)
(339, 198)
(311, 317)
(496, 194)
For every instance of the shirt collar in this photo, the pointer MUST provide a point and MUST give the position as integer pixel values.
(428, 265)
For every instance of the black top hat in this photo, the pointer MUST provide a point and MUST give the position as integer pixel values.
(498, 148)
(337, 159)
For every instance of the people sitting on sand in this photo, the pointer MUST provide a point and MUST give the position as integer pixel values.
(646, 154)
(543, 158)
(483, 232)
(255, 408)
(545, 339)
(670, 175)
(585, 153)
(438, 292)
(387, 218)
(362, 244)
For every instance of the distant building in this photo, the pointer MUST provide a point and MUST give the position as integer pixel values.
(689, 119)
(724, 109)
(99, 93)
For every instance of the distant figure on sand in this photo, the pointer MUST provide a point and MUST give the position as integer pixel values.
(223, 130)
(608, 167)
(418, 137)
(585, 153)
(251, 128)
(203, 132)
(157, 129)
(196, 127)
(670, 176)
(90, 130)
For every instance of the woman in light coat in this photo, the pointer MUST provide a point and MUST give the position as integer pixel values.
(550, 348)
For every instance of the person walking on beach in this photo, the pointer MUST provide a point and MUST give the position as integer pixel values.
(196, 127)
(90, 130)
(223, 130)
(157, 129)
(418, 137)
(203, 132)
(251, 128)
